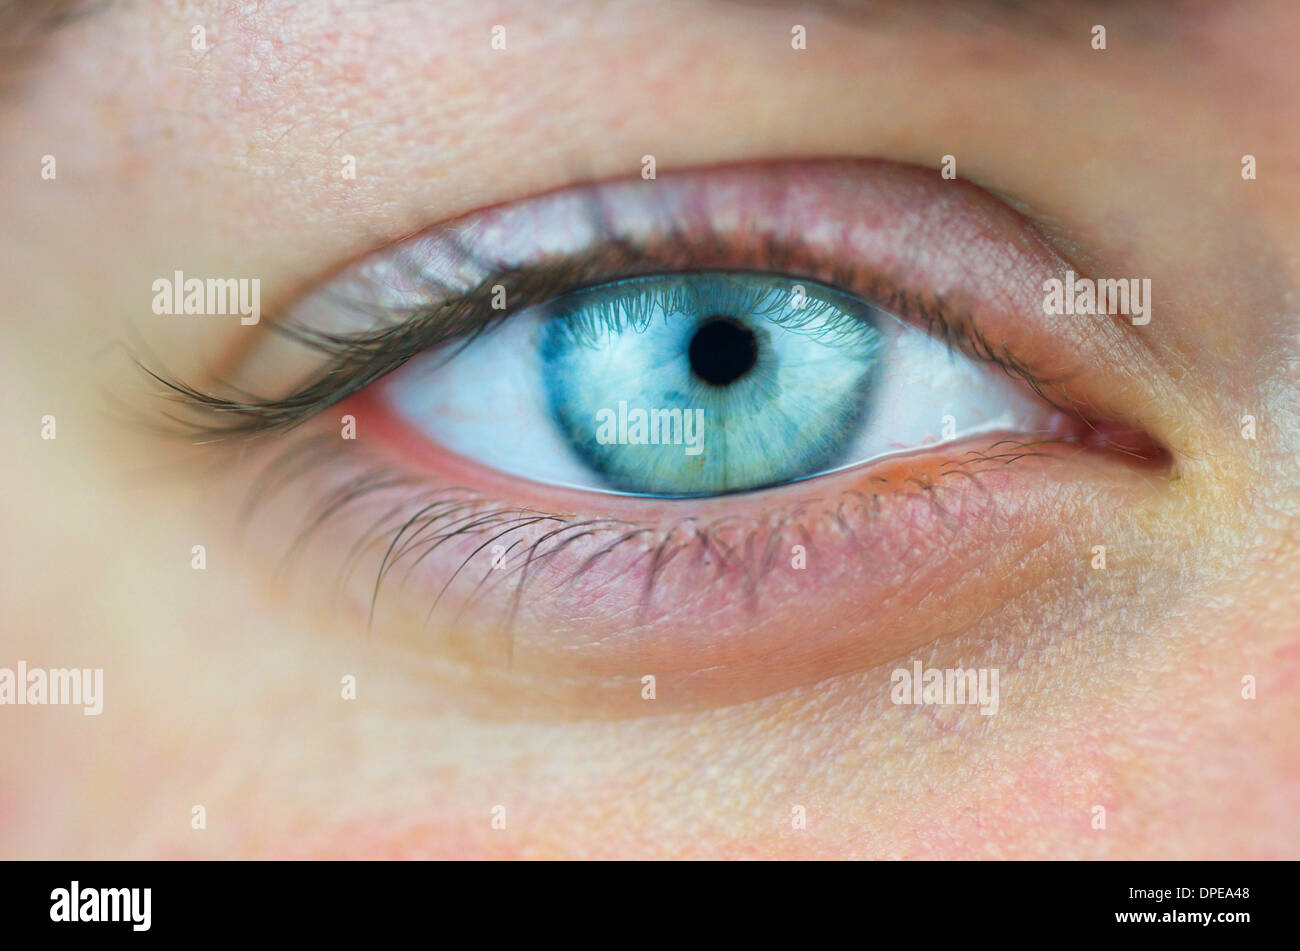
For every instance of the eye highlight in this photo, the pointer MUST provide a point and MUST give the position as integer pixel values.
(697, 384)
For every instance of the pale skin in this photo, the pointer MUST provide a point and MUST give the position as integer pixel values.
(1120, 688)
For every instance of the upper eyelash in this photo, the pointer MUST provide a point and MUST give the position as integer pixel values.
(355, 361)
(358, 360)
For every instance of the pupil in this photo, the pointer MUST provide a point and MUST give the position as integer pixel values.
(722, 351)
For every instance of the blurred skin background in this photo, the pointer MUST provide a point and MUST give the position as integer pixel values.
(1120, 688)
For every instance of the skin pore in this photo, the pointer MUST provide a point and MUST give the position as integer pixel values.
(1120, 688)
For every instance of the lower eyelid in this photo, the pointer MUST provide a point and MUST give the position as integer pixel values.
(699, 592)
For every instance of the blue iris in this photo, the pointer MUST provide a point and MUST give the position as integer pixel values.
(709, 382)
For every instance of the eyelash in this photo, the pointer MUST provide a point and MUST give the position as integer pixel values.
(355, 361)
(445, 513)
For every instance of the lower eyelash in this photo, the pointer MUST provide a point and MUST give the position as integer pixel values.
(741, 549)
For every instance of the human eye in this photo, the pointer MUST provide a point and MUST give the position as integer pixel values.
(608, 428)
(701, 383)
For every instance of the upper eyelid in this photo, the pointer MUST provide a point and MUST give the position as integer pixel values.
(356, 360)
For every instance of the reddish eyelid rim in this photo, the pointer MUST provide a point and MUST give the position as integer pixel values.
(381, 428)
